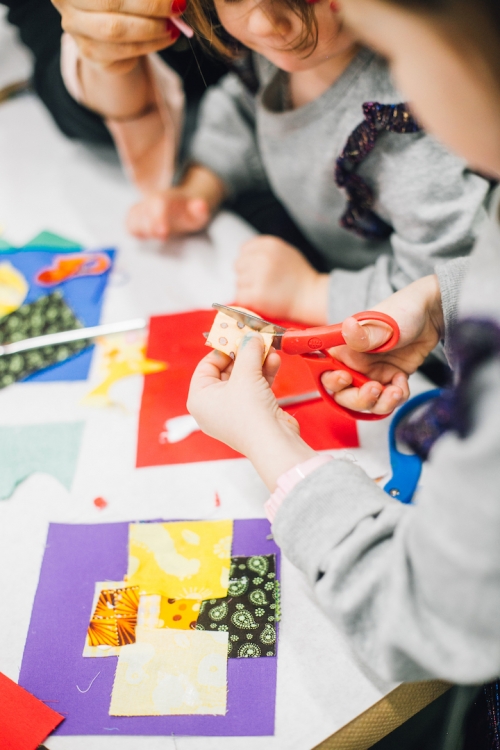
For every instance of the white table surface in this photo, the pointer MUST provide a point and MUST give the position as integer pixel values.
(50, 182)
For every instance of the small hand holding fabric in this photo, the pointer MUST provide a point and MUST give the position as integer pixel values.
(234, 403)
(275, 278)
(170, 212)
(417, 310)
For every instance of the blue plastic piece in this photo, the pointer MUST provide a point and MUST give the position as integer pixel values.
(406, 469)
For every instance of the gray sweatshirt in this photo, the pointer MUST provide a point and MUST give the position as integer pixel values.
(416, 589)
(428, 196)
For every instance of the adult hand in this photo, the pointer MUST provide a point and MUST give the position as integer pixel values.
(233, 402)
(418, 312)
(275, 278)
(115, 33)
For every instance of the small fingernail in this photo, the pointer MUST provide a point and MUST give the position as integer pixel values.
(396, 397)
(375, 392)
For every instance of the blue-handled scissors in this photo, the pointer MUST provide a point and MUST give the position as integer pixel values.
(406, 468)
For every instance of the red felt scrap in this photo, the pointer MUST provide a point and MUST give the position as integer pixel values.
(178, 340)
(25, 722)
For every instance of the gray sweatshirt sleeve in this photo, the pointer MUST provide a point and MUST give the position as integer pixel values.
(225, 140)
(434, 204)
(416, 589)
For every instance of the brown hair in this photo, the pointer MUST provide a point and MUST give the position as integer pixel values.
(202, 17)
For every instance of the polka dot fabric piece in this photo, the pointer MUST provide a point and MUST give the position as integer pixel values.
(226, 334)
(250, 611)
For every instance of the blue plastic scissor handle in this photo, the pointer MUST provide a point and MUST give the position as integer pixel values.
(406, 469)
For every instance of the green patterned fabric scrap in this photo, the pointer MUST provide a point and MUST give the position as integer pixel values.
(49, 314)
(249, 611)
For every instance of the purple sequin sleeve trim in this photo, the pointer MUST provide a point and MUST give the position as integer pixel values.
(379, 118)
(474, 342)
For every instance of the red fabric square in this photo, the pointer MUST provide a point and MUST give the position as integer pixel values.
(177, 339)
(25, 722)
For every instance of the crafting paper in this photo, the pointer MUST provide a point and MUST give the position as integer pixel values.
(250, 611)
(122, 357)
(49, 448)
(83, 295)
(180, 560)
(178, 340)
(227, 334)
(114, 618)
(53, 666)
(171, 673)
(25, 721)
(48, 314)
(13, 288)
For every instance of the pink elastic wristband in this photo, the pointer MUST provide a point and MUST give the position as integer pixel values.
(289, 480)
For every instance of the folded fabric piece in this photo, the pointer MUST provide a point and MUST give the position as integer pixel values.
(49, 314)
(48, 448)
(249, 612)
(25, 721)
(171, 672)
(114, 619)
(182, 559)
(157, 611)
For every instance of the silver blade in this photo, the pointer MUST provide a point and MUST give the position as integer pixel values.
(78, 334)
(253, 322)
(300, 398)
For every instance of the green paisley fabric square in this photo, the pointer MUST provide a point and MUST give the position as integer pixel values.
(48, 314)
(250, 610)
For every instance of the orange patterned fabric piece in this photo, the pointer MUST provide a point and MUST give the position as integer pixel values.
(115, 617)
(181, 614)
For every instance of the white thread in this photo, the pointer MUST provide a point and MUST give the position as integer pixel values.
(87, 690)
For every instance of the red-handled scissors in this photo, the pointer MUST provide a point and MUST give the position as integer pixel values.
(312, 345)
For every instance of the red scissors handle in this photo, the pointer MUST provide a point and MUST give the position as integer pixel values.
(319, 365)
(325, 337)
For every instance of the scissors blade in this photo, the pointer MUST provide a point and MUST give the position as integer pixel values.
(253, 322)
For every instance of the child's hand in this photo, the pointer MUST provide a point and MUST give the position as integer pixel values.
(167, 213)
(274, 278)
(234, 403)
(417, 310)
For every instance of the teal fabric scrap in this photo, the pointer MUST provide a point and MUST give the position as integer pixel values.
(48, 448)
(46, 241)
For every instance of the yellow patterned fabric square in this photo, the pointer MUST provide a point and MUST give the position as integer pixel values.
(113, 619)
(157, 611)
(180, 559)
(171, 673)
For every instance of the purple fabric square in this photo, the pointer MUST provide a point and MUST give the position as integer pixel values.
(77, 556)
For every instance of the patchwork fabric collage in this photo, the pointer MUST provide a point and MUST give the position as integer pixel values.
(174, 625)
